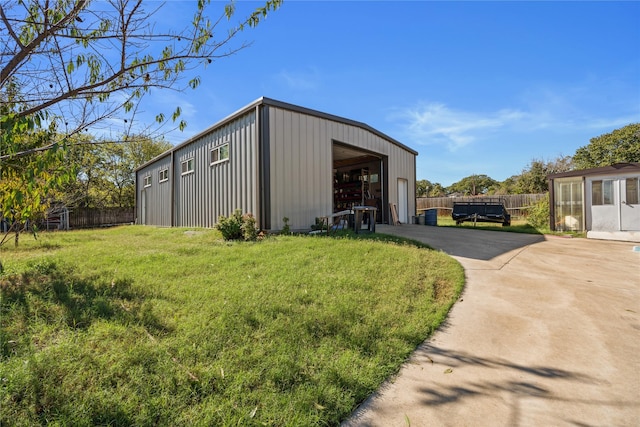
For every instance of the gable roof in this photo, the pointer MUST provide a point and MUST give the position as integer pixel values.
(616, 168)
(284, 105)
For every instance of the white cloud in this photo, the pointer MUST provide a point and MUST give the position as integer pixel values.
(435, 123)
(300, 80)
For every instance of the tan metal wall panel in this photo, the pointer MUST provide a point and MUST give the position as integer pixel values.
(300, 170)
(221, 188)
(302, 164)
(154, 203)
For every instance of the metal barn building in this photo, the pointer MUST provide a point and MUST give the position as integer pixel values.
(276, 160)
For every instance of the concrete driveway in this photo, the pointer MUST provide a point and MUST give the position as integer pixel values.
(546, 333)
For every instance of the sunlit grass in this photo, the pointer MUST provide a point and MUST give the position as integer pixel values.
(518, 225)
(147, 326)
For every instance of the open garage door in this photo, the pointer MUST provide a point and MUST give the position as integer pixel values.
(359, 179)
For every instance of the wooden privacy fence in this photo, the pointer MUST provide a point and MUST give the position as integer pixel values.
(87, 218)
(516, 204)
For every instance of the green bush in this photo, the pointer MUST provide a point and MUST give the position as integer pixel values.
(285, 227)
(539, 213)
(238, 226)
(249, 230)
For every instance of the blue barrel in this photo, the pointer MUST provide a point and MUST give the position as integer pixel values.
(431, 217)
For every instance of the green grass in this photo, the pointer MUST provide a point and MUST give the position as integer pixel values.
(147, 326)
(518, 225)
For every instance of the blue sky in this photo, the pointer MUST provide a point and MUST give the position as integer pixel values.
(474, 87)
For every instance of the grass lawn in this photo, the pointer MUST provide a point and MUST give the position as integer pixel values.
(517, 225)
(148, 326)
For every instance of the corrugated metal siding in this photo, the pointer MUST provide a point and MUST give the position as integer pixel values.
(298, 176)
(156, 208)
(218, 189)
(301, 176)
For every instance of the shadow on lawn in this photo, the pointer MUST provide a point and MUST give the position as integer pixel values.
(54, 295)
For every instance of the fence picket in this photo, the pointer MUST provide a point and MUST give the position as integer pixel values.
(91, 217)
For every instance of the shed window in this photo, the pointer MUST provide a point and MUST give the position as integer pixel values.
(220, 154)
(187, 166)
(602, 192)
(633, 191)
(163, 175)
(147, 181)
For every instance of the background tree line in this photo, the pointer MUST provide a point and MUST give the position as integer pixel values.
(621, 145)
(104, 174)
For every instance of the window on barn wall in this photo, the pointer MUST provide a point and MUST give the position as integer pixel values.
(187, 166)
(147, 181)
(633, 191)
(602, 192)
(163, 175)
(220, 154)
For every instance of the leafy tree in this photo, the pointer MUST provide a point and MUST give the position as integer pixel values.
(27, 183)
(621, 145)
(81, 62)
(424, 188)
(473, 185)
(67, 66)
(437, 190)
(507, 186)
(533, 179)
(105, 172)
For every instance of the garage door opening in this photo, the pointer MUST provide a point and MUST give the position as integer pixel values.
(359, 179)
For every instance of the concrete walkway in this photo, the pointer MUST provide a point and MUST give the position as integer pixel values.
(546, 333)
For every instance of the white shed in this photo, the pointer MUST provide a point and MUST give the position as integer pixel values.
(277, 160)
(604, 201)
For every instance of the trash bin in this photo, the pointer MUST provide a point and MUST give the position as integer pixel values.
(431, 217)
(421, 219)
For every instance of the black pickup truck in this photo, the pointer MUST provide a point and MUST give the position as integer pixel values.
(481, 211)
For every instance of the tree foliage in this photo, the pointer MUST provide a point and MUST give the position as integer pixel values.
(68, 66)
(105, 175)
(621, 145)
(27, 183)
(425, 188)
(81, 62)
(473, 185)
(533, 179)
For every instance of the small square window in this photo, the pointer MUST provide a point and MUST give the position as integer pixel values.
(602, 192)
(187, 166)
(147, 181)
(163, 175)
(220, 154)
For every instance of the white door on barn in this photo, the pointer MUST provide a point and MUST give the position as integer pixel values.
(403, 201)
(630, 206)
